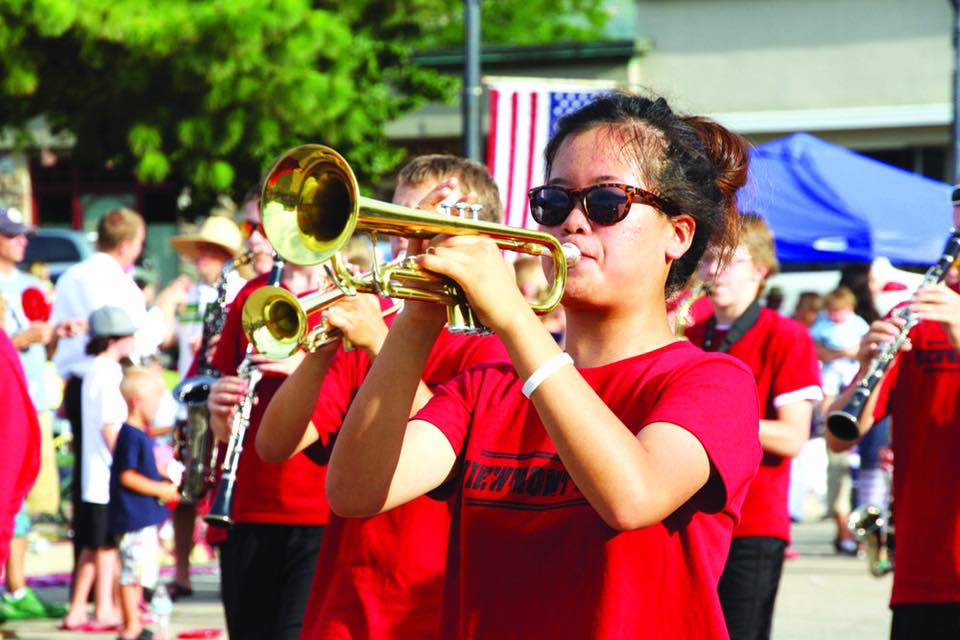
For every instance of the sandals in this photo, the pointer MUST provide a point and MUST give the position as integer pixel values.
(146, 634)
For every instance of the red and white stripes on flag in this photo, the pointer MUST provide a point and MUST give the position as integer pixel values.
(521, 121)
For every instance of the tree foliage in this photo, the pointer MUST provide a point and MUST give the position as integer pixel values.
(205, 93)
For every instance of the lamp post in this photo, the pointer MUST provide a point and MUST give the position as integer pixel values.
(471, 80)
(955, 133)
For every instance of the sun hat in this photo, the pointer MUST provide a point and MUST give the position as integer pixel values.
(217, 230)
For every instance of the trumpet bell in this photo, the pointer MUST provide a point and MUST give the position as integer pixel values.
(274, 321)
(309, 204)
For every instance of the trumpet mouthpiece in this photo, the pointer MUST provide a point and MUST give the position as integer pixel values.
(571, 252)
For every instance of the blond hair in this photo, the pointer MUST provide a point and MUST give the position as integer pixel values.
(117, 226)
(139, 381)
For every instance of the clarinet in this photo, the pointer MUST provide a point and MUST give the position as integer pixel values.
(194, 443)
(843, 424)
(220, 508)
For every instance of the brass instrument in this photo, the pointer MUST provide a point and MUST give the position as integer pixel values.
(843, 424)
(681, 317)
(870, 526)
(311, 208)
(219, 514)
(193, 440)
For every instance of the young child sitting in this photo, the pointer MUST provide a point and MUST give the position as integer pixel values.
(136, 492)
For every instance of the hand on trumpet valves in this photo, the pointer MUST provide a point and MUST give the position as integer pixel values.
(476, 264)
(360, 318)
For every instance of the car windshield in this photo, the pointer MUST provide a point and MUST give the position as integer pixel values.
(51, 249)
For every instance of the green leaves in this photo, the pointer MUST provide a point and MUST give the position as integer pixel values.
(205, 94)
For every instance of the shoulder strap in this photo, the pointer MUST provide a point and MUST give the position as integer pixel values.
(739, 327)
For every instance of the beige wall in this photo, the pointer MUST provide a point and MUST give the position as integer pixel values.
(761, 55)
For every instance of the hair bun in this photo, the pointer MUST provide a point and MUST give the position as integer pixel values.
(728, 152)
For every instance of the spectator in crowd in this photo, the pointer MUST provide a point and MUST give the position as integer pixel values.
(808, 308)
(104, 412)
(26, 321)
(216, 242)
(85, 287)
(856, 277)
(783, 359)
(20, 452)
(774, 299)
(136, 492)
(837, 333)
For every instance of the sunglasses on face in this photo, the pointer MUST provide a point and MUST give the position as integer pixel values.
(247, 227)
(955, 196)
(606, 203)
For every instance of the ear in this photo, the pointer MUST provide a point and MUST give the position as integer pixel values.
(761, 272)
(684, 227)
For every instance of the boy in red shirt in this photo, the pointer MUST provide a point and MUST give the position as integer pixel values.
(378, 577)
(783, 359)
(921, 394)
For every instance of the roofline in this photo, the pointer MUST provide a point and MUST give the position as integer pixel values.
(594, 51)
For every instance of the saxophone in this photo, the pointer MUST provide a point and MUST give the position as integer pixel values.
(219, 514)
(844, 423)
(193, 441)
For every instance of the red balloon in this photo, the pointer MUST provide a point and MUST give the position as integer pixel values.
(35, 304)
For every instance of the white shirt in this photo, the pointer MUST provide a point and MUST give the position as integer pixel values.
(101, 403)
(189, 327)
(85, 287)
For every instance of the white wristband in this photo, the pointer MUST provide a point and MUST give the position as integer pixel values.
(545, 370)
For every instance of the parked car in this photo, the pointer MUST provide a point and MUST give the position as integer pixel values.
(59, 248)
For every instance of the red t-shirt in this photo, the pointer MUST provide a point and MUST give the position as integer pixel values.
(783, 359)
(530, 558)
(921, 392)
(291, 492)
(20, 435)
(382, 577)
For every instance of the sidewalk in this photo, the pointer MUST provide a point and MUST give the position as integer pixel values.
(822, 595)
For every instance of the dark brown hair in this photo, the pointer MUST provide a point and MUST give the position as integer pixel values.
(473, 176)
(692, 161)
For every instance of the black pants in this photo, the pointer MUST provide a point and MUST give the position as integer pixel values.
(939, 621)
(71, 406)
(266, 571)
(748, 586)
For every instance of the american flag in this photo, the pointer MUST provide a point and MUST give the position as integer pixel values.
(521, 121)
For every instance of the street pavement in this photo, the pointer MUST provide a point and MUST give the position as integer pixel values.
(822, 595)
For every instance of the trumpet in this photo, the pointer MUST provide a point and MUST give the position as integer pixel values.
(311, 208)
(843, 424)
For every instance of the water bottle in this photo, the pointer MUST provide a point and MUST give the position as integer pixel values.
(162, 607)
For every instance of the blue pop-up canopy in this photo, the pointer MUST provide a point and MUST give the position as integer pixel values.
(826, 203)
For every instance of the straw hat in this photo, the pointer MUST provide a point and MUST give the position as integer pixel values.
(216, 230)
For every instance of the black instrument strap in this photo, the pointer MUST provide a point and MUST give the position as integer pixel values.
(739, 327)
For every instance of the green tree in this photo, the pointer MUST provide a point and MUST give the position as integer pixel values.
(205, 93)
